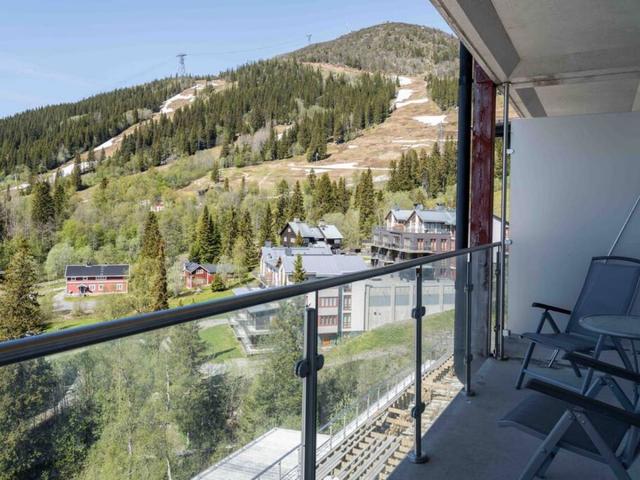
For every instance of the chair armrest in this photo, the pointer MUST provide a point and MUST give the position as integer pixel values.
(603, 367)
(586, 403)
(551, 308)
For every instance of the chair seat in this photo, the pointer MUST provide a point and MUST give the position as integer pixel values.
(563, 341)
(538, 414)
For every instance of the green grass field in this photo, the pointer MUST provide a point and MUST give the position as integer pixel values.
(203, 296)
(391, 336)
(222, 343)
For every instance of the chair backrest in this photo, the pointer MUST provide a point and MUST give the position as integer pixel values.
(612, 286)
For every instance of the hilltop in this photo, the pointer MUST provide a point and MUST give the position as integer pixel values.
(398, 48)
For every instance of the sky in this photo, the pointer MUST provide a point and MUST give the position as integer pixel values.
(65, 50)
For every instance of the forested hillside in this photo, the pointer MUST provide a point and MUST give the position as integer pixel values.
(312, 108)
(46, 137)
(398, 48)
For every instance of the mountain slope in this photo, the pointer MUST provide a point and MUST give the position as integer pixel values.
(399, 48)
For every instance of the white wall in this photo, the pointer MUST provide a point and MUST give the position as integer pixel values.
(573, 182)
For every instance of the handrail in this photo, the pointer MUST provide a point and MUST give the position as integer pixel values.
(28, 348)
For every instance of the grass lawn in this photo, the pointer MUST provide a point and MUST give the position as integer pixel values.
(392, 335)
(64, 323)
(222, 343)
(198, 297)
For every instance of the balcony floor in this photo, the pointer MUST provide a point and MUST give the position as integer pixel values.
(466, 442)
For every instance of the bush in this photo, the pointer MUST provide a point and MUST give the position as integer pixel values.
(218, 284)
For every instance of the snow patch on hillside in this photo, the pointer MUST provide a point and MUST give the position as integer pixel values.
(107, 144)
(431, 120)
(166, 106)
(403, 94)
(404, 81)
(411, 102)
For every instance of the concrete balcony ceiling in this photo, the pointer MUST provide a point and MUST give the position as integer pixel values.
(563, 57)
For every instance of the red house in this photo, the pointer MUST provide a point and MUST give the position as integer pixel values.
(87, 279)
(198, 275)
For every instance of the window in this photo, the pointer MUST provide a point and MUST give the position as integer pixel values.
(328, 320)
(92, 288)
(433, 244)
(443, 245)
(403, 296)
(380, 297)
(328, 301)
(119, 286)
(346, 320)
(101, 287)
(347, 302)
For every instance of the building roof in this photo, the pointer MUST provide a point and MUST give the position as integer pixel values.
(330, 232)
(324, 231)
(400, 215)
(96, 270)
(438, 215)
(271, 255)
(326, 265)
(193, 266)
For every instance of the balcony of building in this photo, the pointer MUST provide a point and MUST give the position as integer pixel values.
(571, 70)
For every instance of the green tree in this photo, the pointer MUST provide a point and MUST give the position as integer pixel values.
(299, 275)
(366, 204)
(275, 396)
(296, 204)
(42, 207)
(76, 174)
(206, 244)
(19, 308)
(266, 233)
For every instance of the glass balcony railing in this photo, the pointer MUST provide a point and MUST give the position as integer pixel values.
(331, 378)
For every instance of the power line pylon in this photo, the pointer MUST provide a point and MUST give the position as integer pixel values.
(182, 70)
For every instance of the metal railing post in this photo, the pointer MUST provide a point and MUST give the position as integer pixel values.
(503, 223)
(468, 356)
(307, 369)
(417, 456)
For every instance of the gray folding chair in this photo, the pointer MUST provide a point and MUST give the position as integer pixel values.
(610, 287)
(579, 423)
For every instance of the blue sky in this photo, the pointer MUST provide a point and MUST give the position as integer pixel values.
(64, 50)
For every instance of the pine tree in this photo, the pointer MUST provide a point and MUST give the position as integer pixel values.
(206, 244)
(42, 207)
(215, 173)
(323, 196)
(151, 238)
(367, 204)
(245, 234)
(298, 275)
(19, 308)
(266, 233)
(159, 294)
(282, 205)
(59, 201)
(76, 174)
(218, 285)
(299, 239)
(296, 204)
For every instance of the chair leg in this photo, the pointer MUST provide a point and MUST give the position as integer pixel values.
(548, 447)
(609, 456)
(525, 364)
(542, 471)
(553, 358)
(576, 370)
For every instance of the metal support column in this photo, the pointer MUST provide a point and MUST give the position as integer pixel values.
(500, 318)
(307, 369)
(468, 355)
(417, 456)
(462, 199)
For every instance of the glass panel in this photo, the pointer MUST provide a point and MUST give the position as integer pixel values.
(365, 390)
(189, 401)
